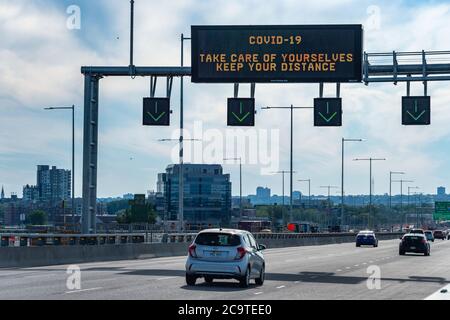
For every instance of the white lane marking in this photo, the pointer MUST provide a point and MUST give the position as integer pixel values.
(356, 265)
(338, 270)
(83, 290)
(347, 268)
(364, 263)
(370, 261)
(165, 278)
(441, 294)
(256, 293)
(297, 282)
(281, 287)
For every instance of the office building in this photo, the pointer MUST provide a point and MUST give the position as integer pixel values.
(441, 191)
(207, 194)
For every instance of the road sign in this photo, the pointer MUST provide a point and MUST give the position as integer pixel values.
(156, 112)
(328, 112)
(289, 53)
(441, 211)
(416, 110)
(241, 112)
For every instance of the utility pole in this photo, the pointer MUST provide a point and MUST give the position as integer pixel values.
(370, 183)
(291, 151)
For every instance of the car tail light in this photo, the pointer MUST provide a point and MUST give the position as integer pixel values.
(424, 241)
(240, 253)
(192, 252)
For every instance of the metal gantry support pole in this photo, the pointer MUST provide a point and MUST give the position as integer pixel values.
(90, 150)
(73, 167)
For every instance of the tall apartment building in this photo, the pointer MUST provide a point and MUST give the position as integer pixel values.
(53, 184)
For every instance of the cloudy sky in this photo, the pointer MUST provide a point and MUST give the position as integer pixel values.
(40, 60)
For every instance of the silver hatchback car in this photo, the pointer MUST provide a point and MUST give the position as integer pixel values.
(225, 254)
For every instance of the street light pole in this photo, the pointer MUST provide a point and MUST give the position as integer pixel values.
(181, 173)
(370, 184)
(329, 198)
(342, 176)
(390, 185)
(240, 183)
(282, 172)
(180, 177)
(401, 196)
(309, 189)
(73, 157)
(291, 152)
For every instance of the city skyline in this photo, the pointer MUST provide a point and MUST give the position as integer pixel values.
(132, 155)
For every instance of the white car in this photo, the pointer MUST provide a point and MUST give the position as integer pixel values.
(225, 254)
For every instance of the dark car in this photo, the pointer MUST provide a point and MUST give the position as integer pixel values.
(429, 235)
(366, 238)
(414, 242)
(439, 234)
(416, 231)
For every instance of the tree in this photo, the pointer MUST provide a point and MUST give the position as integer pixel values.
(37, 218)
(138, 213)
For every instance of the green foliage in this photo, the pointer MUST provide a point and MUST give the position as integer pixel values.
(114, 207)
(37, 218)
(138, 213)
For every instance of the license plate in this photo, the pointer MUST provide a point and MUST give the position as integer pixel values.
(215, 253)
(413, 248)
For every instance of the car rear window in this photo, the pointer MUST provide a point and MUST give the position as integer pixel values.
(413, 239)
(218, 239)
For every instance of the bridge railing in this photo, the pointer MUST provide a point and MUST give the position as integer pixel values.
(35, 240)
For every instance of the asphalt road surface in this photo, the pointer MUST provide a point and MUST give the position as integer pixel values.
(339, 271)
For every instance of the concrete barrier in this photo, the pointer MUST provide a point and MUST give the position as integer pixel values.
(12, 257)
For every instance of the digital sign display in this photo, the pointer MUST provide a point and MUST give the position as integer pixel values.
(241, 112)
(416, 110)
(291, 53)
(327, 112)
(156, 112)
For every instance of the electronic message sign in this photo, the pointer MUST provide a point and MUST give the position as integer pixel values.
(241, 112)
(328, 112)
(156, 112)
(291, 53)
(416, 110)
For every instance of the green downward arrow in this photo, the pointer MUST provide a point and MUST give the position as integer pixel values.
(156, 119)
(415, 111)
(328, 111)
(241, 119)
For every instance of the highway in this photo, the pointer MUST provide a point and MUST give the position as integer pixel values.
(337, 271)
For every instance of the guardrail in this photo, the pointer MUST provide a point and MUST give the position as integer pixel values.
(39, 240)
